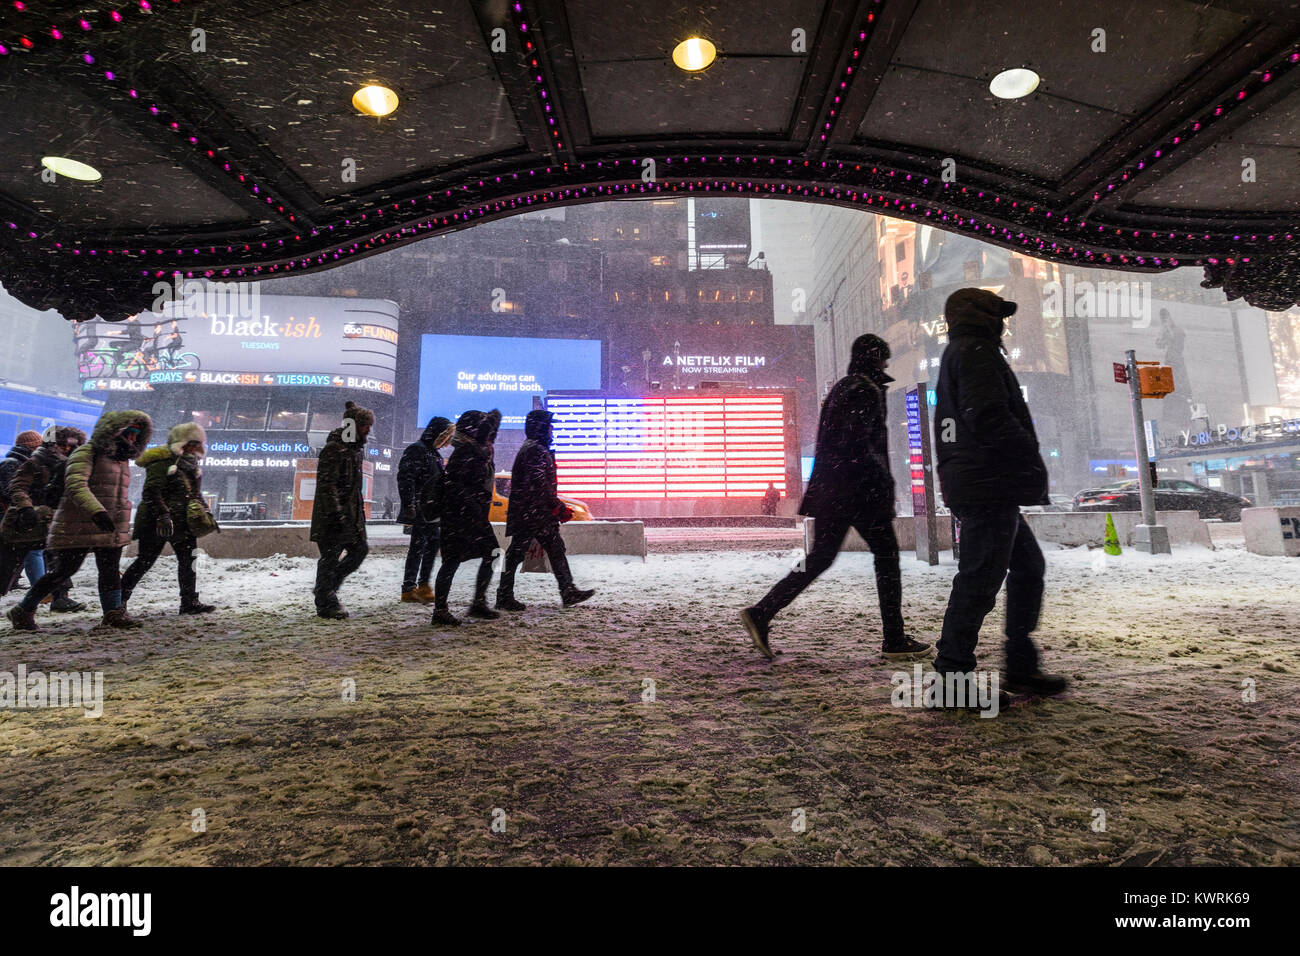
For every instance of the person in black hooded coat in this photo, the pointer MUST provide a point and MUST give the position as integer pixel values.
(417, 475)
(466, 504)
(989, 466)
(535, 514)
(851, 486)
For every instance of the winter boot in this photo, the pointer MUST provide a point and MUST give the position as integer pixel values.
(1044, 685)
(192, 605)
(411, 596)
(22, 619)
(65, 605)
(332, 610)
(961, 698)
(506, 600)
(442, 615)
(575, 596)
(480, 609)
(118, 617)
(756, 624)
(906, 649)
(424, 593)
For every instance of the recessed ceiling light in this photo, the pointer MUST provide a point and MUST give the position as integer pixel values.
(62, 166)
(1013, 84)
(694, 54)
(375, 100)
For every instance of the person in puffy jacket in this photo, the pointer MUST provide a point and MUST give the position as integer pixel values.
(535, 513)
(466, 507)
(172, 478)
(338, 516)
(93, 515)
(989, 466)
(417, 475)
(34, 492)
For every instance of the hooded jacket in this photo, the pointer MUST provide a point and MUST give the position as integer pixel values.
(338, 514)
(534, 504)
(9, 466)
(38, 484)
(95, 481)
(170, 479)
(420, 464)
(851, 475)
(467, 488)
(986, 446)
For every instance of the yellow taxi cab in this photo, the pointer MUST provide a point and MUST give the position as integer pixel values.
(501, 501)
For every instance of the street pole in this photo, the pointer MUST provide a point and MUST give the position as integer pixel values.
(1147, 536)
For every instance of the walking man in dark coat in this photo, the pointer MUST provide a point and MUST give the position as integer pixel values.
(466, 505)
(535, 513)
(417, 475)
(338, 517)
(989, 465)
(851, 486)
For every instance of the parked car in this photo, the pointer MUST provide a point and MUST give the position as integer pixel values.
(501, 501)
(1171, 495)
(1059, 503)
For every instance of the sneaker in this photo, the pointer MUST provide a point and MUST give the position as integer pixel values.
(333, 612)
(411, 597)
(442, 615)
(21, 619)
(65, 605)
(424, 593)
(576, 596)
(908, 649)
(196, 607)
(508, 603)
(118, 617)
(480, 610)
(757, 627)
(1044, 685)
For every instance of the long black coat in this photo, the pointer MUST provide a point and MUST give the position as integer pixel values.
(533, 500)
(420, 463)
(338, 515)
(992, 456)
(467, 503)
(851, 476)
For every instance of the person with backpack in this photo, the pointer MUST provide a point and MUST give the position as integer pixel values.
(535, 513)
(33, 494)
(172, 480)
(466, 504)
(93, 515)
(338, 516)
(418, 473)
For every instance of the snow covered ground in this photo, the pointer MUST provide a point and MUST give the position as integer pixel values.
(242, 715)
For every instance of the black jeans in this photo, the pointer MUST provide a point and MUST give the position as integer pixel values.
(551, 542)
(150, 548)
(333, 568)
(420, 554)
(996, 544)
(442, 585)
(62, 564)
(828, 536)
(12, 558)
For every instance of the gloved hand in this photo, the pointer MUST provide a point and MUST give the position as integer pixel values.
(164, 526)
(564, 512)
(104, 522)
(26, 519)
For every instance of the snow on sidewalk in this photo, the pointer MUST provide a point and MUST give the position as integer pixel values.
(548, 716)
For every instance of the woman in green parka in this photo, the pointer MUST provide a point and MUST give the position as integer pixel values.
(172, 478)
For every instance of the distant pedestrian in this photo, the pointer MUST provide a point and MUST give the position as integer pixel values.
(388, 508)
(338, 517)
(25, 443)
(771, 498)
(465, 508)
(418, 475)
(851, 487)
(988, 469)
(535, 513)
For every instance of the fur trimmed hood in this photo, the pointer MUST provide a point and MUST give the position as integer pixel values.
(112, 424)
(184, 433)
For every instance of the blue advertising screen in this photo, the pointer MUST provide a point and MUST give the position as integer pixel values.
(460, 372)
(22, 411)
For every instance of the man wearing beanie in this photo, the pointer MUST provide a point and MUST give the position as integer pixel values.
(989, 466)
(851, 486)
(338, 517)
(418, 474)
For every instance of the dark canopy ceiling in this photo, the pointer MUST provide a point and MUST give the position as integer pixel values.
(224, 130)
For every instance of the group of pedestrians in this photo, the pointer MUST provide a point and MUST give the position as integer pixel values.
(69, 499)
(989, 465)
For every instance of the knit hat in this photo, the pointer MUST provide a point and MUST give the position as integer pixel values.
(28, 439)
(362, 416)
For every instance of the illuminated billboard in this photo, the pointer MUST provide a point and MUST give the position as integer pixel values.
(722, 446)
(290, 341)
(461, 372)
